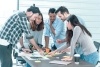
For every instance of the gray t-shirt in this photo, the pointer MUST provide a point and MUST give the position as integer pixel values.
(37, 35)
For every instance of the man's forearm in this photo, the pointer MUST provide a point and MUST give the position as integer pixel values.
(34, 44)
(52, 29)
(46, 41)
(21, 41)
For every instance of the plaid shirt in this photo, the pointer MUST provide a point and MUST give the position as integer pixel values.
(14, 27)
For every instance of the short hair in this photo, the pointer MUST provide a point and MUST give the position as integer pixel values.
(62, 9)
(52, 10)
(33, 9)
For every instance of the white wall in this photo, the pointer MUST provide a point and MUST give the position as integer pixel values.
(6, 9)
(86, 9)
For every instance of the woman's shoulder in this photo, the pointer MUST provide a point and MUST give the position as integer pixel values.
(77, 28)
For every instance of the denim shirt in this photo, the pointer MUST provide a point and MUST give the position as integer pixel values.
(60, 32)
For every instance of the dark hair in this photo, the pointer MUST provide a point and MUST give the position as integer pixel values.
(75, 22)
(39, 27)
(52, 10)
(33, 9)
(62, 9)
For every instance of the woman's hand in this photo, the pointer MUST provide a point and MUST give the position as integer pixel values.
(66, 50)
(68, 58)
(41, 52)
(61, 40)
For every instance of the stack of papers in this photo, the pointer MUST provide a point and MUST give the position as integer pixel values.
(24, 54)
(60, 62)
(33, 56)
(37, 55)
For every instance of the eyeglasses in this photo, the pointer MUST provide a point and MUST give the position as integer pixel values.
(30, 16)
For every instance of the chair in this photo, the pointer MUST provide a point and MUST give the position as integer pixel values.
(97, 44)
(18, 58)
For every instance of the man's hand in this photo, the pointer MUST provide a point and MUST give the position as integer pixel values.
(52, 53)
(59, 41)
(26, 50)
(41, 51)
(44, 49)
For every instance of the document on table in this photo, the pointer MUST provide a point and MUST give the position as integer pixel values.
(37, 58)
(60, 62)
(24, 54)
(36, 55)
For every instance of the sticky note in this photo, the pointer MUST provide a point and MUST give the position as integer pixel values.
(37, 61)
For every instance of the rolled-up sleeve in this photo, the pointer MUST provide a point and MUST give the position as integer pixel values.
(47, 30)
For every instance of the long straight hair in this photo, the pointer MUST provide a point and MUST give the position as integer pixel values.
(75, 22)
(40, 27)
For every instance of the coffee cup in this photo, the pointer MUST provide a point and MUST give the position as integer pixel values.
(77, 58)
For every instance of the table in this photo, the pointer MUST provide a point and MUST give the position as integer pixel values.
(45, 63)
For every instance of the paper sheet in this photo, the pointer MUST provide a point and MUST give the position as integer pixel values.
(60, 62)
(29, 58)
(37, 54)
(34, 56)
(24, 54)
(37, 58)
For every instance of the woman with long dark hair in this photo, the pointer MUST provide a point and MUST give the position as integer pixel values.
(79, 37)
(36, 29)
